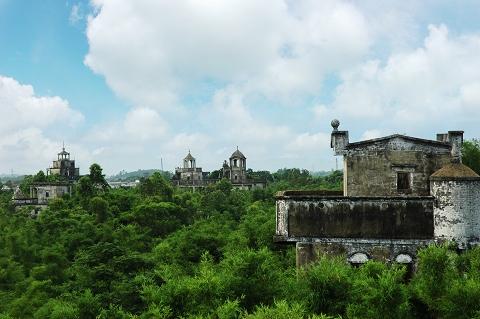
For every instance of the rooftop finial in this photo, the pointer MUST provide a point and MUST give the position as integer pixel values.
(335, 124)
(63, 145)
(237, 147)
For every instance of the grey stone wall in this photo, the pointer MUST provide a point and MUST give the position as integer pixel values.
(371, 170)
(358, 251)
(457, 210)
(300, 217)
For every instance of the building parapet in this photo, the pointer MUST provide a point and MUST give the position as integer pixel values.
(310, 215)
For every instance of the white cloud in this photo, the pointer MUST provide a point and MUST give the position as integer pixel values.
(144, 124)
(24, 143)
(153, 52)
(23, 108)
(307, 142)
(75, 14)
(320, 112)
(470, 97)
(371, 134)
(436, 82)
(237, 123)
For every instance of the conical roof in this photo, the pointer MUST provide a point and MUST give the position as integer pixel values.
(189, 157)
(455, 171)
(238, 154)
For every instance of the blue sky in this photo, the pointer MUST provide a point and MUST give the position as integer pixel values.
(126, 83)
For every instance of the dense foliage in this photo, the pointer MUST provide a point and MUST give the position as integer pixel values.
(471, 154)
(159, 252)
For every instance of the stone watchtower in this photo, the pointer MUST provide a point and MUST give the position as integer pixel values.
(238, 167)
(456, 189)
(189, 174)
(64, 166)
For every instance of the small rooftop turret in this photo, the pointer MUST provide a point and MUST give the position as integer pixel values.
(339, 139)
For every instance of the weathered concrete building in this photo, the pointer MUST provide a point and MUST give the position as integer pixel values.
(400, 193)
(64, 167)
(42, 193)
(189, 174)
(236, 172)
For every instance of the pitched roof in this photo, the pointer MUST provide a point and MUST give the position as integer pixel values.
(189, 157)
(454, 171)
(390, 137)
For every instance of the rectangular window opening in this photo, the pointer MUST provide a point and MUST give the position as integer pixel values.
(403, 181)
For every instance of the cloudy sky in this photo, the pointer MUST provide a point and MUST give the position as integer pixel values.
(126, 83)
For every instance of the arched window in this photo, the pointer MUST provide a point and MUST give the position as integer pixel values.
(403, 259)
(358, 258)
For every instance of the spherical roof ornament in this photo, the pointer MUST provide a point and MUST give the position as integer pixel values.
(335, 124)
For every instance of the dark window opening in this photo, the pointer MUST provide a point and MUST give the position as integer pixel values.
(236, 177)
(47, 194)
(235, 163)
(403, 181)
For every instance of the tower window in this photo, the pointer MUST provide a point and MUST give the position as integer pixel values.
(235, 162)
(403, 181)
(236, 177)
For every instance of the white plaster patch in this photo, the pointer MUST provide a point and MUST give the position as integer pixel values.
(403, 259)
(358, 258)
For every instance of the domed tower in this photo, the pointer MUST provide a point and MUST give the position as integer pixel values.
(238, 167)
(456, 188)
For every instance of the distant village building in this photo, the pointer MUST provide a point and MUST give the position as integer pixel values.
(64, 167)
(44, 192)
(236, 172)
(41, 193)
(124, 184)
(400, 193)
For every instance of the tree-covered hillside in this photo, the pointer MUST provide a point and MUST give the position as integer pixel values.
(159, 252)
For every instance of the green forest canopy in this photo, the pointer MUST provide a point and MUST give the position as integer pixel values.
(155, 251)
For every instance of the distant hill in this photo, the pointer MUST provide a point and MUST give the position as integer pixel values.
(125, 176)
(15, 179)
(321, 173)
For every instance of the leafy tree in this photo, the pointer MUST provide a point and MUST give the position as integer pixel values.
(251, 276)
(156, 185)
(471, 154)
(99, 207)
(435, 275)
(25, 184)
(326, 286)
(40, 177)
(159, 219)
(216, 174)
(85, 187)
(378, 292)
(97, 178)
